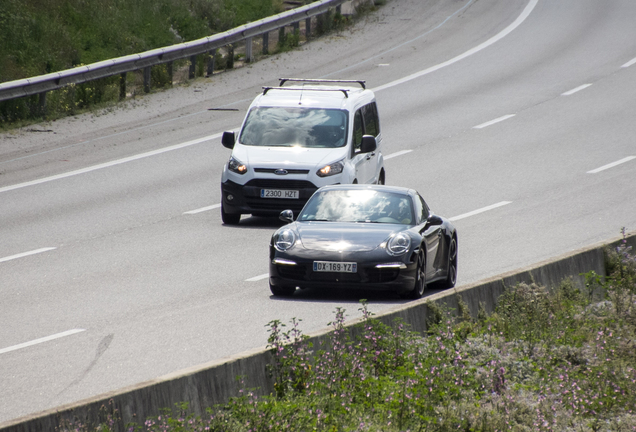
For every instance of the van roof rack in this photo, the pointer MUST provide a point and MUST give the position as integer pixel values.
(362, 83)
(343, 90)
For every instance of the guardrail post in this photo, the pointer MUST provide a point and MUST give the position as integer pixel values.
(42, 103)
(193, 64)
(296, 26)
(248, 50)
(265, 43)
(339, 9)
(147, 79)
(122, 86)
(230, 57)
(307, 28)
(211, 57)
(170, 68)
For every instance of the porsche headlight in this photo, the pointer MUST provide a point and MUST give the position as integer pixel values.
(331, 169)
(399, 244)
(236, 166)
(284, 240)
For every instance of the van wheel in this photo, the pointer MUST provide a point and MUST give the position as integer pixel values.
(229, 218)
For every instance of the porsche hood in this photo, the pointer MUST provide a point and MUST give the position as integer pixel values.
(346, 236)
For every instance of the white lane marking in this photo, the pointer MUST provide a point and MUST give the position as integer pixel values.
(492, 122)
(520, 19)
(25, 254)
(110, 164)
(110, 135)
(41, 340)
(481, 210)
(574, 90)
(629, 63)
(202, 209)
(383, 53)
(612, 165)
(396, 154)
(257, 278)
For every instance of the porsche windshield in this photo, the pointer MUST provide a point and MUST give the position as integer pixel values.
(295, 127)
(358, 206)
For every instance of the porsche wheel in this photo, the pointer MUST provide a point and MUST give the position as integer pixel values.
(420, 278)
(282, 291)
(229, 218)
(451, 278)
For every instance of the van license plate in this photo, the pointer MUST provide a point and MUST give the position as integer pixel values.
(335, 267)
(280, 193)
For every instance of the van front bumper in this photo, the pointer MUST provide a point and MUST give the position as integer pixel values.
(246, 199)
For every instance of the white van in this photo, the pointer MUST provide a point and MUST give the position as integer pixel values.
(297, 138)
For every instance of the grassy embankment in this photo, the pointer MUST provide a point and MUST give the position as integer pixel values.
(40, 37)
(562, 359)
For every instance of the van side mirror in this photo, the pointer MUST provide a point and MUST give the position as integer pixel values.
(228, 139)
(368, 144)
(286, 216)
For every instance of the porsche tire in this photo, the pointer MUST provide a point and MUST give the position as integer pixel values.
(451, 277)
(282, 291)
(420, 280)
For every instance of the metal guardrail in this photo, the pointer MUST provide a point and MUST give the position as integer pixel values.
(145, 60)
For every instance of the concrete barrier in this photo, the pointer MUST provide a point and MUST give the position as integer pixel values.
(215, 382)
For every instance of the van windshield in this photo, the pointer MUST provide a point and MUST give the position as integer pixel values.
(295, 127)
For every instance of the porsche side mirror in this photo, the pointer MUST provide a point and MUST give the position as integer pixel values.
(228, 139)
(435, 220)
(368, 144)
(286, 216)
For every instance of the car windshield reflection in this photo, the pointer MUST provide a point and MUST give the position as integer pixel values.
(358, 206)
(295, 127)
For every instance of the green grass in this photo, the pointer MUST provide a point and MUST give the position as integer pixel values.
(40, 37)
(560, 359)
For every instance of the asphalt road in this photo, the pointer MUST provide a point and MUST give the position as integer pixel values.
(514, 118)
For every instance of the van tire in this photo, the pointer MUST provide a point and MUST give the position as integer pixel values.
(381, 180)
(229, 218)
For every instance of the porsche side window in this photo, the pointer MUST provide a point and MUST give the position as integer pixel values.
(358, 130)
(371, 121)
(421, 209)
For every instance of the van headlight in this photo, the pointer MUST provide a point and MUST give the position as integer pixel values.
(331, 169)
(236, 166)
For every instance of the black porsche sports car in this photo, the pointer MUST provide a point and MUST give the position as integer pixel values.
(363, 236)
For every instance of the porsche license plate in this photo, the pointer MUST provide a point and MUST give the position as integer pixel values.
(335, 267)
(280, 193)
